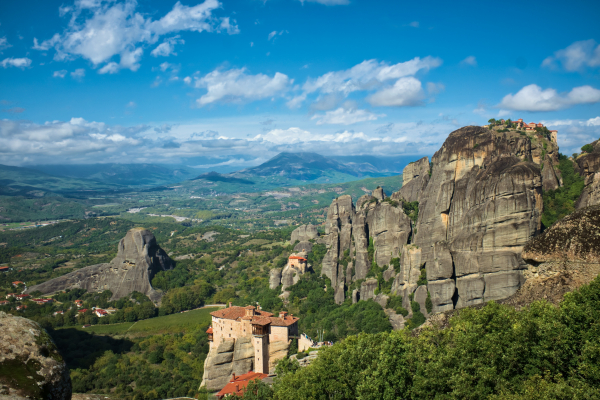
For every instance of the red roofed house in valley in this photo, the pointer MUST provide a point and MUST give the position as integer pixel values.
(237, 384)
(264, 328)
(100, 313)
(17, 283)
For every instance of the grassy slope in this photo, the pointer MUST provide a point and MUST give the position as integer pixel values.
(174, 323)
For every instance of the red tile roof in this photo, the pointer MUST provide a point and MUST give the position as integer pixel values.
(236, 312)
(237, 384)
(209, 330)
(297, 258)
(287, 321)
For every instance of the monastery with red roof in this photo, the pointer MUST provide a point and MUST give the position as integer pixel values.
(236, 322)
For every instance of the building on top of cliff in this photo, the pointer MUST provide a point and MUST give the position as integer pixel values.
(298, 261)
(236, 322)
(237, 384)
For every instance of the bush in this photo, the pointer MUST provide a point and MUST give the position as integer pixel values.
(561, 202)
(423, 277)
(428, 303)
(588, 148)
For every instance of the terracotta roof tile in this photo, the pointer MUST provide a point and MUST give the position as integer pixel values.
(236, 312)
(238, 384)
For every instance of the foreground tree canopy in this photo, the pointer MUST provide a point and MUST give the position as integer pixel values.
(496, 352)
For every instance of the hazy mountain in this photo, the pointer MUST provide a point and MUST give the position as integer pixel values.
(306, 166)
(18, 181)
(122, 174)
(381, 164)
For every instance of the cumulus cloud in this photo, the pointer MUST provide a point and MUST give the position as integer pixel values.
(237, 85)
(16, 62)
(574, 133)
(78, 74)
(100, 30)
(471, 60)
(60, 74)
(370, 75)
(4, 44)
(533, 98)
(167, 47)
(576, 57)
(343, 116)
(405, 92)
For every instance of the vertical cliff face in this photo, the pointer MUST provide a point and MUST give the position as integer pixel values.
(480, 201)
(589, 168)
(138, 259)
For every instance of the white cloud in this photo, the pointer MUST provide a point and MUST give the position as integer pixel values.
(405, 92)
(593, 122)
(4, 44)
(16, 62)
(236, 84)
(78, 73)
(110, 68)
(131, 104)
(435, 88)
(60, 74)
(100, 30)
(274, 34)
(344, 116)
(471, 60)
(576, 57)
(167, 47)
(414, 24)
(533, 98)
(368, 74)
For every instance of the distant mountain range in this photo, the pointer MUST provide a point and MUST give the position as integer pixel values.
(121, 174)
(282, 170)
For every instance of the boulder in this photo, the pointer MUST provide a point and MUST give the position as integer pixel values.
(230, 357)
(274, 278)
(304, 233)
(30, 364)
(367, 289)
(138, 259)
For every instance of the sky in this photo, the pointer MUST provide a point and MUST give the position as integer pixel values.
(233, 83)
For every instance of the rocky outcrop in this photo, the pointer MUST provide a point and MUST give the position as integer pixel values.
(479, 202)
(415, 178)
(277, 351)
(274, 278)
(138, 259)
(30, 365)
(561, 259)
(589, 167)
(230, 357)
(367, 289)
(305, 235)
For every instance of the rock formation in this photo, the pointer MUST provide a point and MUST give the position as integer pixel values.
(589, 167)
(231, 357)
(304, 234)
(138, 259)
(30, 365)
(479, 202)
(564, 257)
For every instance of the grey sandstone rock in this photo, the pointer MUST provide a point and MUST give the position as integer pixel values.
(355, 296)
(420, 297)
(138, 259)
(31, 366)
(367, 289)
(274, 278)
(339, 293)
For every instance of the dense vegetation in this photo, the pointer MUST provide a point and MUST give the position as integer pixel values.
(158, 366)
(496, 352)
(561, 202)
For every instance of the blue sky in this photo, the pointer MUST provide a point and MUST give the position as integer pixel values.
(235, 82)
